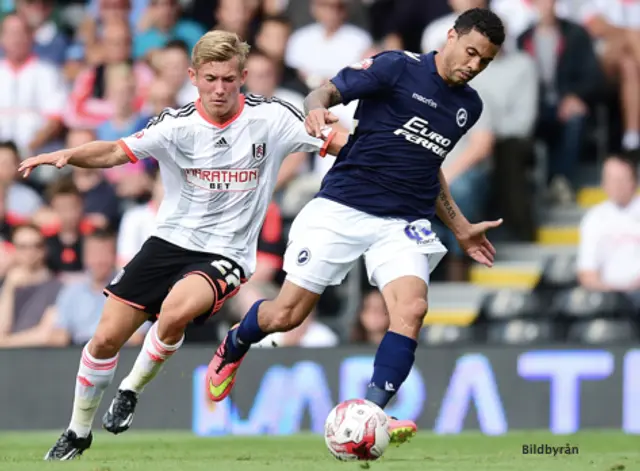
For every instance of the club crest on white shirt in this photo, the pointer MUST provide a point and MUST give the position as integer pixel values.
(259, 151)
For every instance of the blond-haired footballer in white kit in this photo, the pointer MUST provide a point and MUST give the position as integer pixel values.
(219, 159)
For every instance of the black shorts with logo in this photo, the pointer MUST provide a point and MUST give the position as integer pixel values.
(146, 280)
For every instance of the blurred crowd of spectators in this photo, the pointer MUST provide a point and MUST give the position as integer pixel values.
(73, 72)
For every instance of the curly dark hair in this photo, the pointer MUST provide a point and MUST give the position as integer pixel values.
(484, 21)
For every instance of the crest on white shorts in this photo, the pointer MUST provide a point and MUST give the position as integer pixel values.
(303, 257)
(259, 151)
(421, 235)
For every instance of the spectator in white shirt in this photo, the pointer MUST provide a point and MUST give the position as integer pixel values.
(318, 51)
(609, 250)
(33, 94)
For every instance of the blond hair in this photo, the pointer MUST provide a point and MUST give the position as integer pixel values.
(219, 46)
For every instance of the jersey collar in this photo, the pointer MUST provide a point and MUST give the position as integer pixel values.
(430, 60)
(203, 113)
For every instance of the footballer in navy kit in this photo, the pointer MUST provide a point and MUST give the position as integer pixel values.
(379, 198)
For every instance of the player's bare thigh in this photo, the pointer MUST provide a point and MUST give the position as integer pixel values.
(189, 298)
(118, 323)
(288, 310)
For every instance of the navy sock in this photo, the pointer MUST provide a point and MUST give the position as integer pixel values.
(247, 333)
(392, 365)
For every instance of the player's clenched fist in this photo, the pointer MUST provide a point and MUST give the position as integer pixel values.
(59, 159)
(318, 119)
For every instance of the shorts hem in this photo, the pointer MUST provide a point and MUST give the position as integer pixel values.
(137, 306)
(314, 287)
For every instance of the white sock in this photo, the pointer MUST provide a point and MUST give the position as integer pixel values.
(631, 140)
(94, 376)
(149, 362)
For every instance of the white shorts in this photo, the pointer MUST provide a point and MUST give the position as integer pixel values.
(327, 238)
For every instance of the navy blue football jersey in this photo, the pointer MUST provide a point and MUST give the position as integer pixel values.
(406, 122)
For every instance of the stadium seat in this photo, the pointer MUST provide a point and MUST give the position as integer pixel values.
(579, 303)
(558, 272)
(522, 332)
(508, 304)
(441, 334)
(602, 331)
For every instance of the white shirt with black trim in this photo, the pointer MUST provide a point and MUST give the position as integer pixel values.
(219, 178)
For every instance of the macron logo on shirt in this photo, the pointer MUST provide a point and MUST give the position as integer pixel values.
(426, 101)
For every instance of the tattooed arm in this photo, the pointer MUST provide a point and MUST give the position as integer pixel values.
(323, 97)
(448, 210)
(471, 237)
(316, 106)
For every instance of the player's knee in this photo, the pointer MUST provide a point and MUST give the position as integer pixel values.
(410, 312)
(104, 345)
(282, 316)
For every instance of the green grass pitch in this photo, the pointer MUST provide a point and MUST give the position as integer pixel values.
(171, 451)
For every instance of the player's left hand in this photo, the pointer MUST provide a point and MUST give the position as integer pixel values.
(475, 243)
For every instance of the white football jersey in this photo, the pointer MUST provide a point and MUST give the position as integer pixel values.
(219, 178)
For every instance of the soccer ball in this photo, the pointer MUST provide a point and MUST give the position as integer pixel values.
(356, 429)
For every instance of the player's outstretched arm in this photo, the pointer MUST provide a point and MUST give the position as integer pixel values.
(471, 237)
(97, 154)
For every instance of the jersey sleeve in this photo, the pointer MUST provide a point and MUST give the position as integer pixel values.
(154, 141)
(371, 75)
(292, 136)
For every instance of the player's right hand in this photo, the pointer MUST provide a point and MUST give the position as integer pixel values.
(58, 158)
(318, 119)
